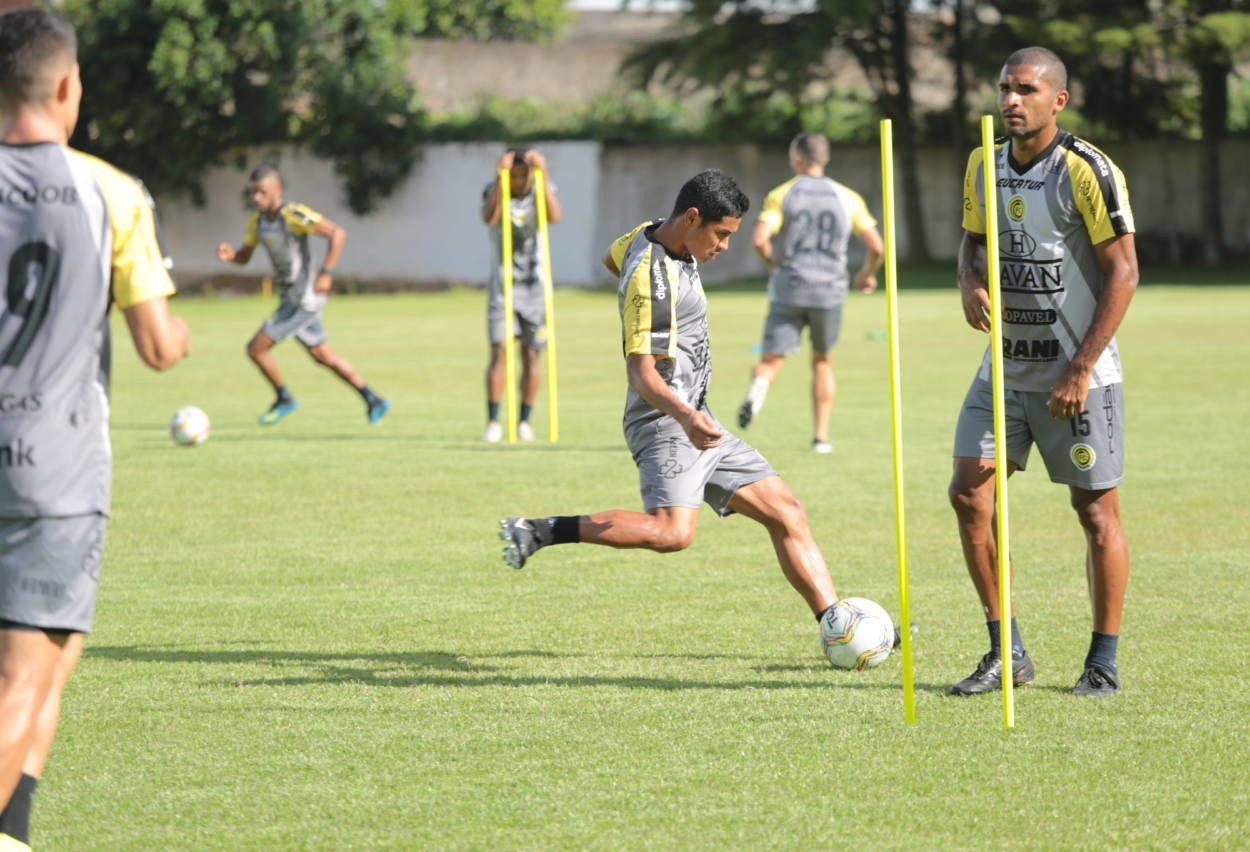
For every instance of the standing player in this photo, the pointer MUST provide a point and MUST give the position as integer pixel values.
(527, 284)
(76, 236)
(1069, 270)
(802, 235)
(684, 457)
(283, 229)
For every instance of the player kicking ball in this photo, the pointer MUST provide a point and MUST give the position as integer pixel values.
(684, 456)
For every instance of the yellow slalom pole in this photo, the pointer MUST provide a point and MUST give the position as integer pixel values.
(896, 413)
(549, 306)
(992, 274)
(509, 315)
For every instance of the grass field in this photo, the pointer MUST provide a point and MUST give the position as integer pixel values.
(305, 637)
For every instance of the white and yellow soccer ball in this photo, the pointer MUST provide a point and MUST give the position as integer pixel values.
(189, 426)
(856, 633)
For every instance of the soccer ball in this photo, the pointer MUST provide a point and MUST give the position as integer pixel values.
(856, 633)
(189, 426)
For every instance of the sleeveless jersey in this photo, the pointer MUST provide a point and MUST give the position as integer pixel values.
(527, 263)
(1051, 214)
(812, 219)
(663, 313)
(75, 234)
(285, 238)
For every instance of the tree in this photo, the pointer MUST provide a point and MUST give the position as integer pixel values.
(752, 53)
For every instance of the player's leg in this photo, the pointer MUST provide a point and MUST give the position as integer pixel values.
(275, 329)
(771, 502)
(496, 375)
(531, 374)
(313, 336)
(781, 337)
(665, 529)
(1107, 571)
(258, 349)
(826, 324)
(29, 660)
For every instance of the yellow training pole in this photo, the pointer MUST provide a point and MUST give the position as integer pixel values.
(509, 316)
(992, 274)
(549, 306)
(896, 413)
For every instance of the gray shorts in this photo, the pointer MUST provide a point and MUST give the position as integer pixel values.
(49, 571)
(292, 320)
(671, 472)
(1086, 451)
(530, 323)
(785, 323)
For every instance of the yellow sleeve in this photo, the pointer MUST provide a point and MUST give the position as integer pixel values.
(138, 267)
(974, 209)
(648, 322)
(1101, 197)
(300, 219)
(770, 213)
(621, 245)
(861, 219)
(251, 235)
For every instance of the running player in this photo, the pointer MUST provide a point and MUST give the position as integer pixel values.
(684, 456)
(1069, 269)
(527, 285)
(283, 229)
(76, 236)
(802, 234)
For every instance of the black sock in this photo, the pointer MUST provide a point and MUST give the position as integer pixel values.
(558, 529)
(15, 819)
(284, 395)
(371, 398)
(525, 412)
(1102, 647)
(820, 616)
(1017, 645)
(492, 411)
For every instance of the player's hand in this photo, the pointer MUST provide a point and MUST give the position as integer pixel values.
(701, 429)
(505, 160)
(1067, 397)
(976, 302)
(866, 283)
(535, 160)
(323, 284)
(179, 327)
(226, 252)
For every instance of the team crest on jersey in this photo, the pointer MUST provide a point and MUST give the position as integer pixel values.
(1082, 456)
(1016, 208)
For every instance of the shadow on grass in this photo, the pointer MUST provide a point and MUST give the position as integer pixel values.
(441, 668)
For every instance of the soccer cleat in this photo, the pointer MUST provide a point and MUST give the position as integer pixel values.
(524, 431)
(823, 448)
(754, 401)
(493, 432)
(989, 675)
(1097, 682)
(378, 410)
(277, 411)
(520, 541)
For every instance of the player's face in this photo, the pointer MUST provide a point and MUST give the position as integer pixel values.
(1028, 100)
(267, 194)
(707, 239)
(520, 175)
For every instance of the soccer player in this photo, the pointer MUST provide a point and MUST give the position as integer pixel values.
(527, 284)
(1069, 269)
(76, 236)
(802, 234)
(683, 454)
(284, 228)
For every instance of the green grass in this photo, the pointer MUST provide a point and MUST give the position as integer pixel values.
(305, 637)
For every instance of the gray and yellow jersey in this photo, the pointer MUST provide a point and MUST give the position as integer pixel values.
(663, 313)
(75, 236)
(1051, 214)
(812, 219)
(527, 279)
(285, 238)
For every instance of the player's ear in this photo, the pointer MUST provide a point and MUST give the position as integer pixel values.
(691, 217)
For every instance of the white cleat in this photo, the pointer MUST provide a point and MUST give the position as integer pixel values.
(493, 433)
(524, 431)
(824, 448)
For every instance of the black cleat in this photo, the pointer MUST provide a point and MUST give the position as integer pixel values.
(520, 541)
(746, 412)
(1097, 682)
(989, 675)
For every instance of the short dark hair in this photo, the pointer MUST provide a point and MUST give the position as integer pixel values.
(30, 41)
(714, 194)
(812, 147)
(1044, 58)
(518, 153)
(263, 172)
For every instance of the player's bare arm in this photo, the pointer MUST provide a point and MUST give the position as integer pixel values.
(238, 256)
(536, 160)
(645, 379)
(1118, 259)
(762, 241)
(973, 289)
(161, 339)
(490, 207)
(337, 237)
(874, 253)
